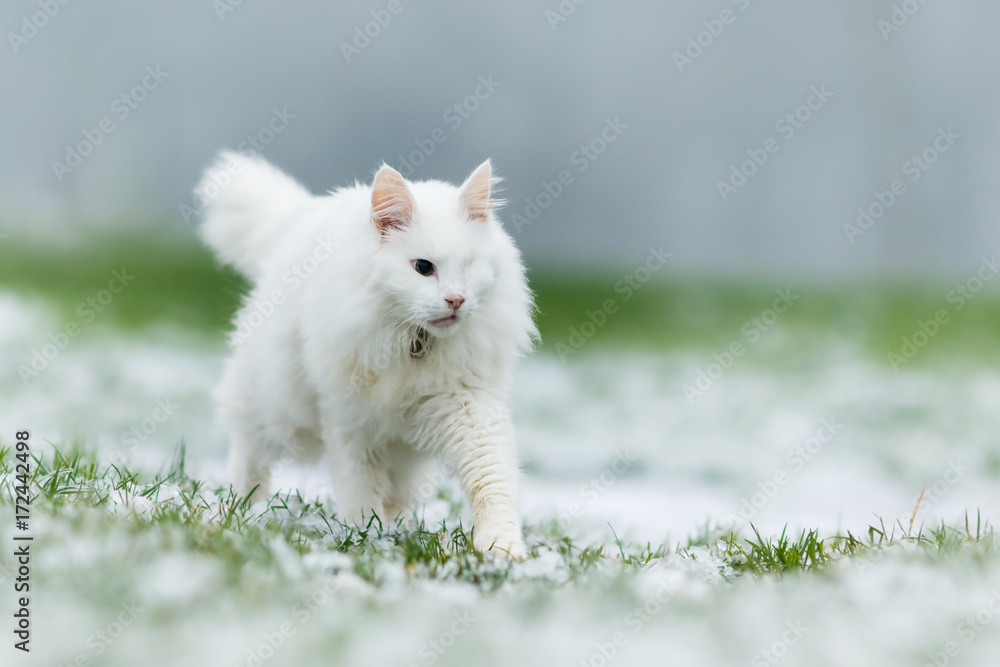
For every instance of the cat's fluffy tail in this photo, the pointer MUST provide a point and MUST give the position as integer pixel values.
(249, 205)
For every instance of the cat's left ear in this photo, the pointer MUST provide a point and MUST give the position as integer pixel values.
(477, 193)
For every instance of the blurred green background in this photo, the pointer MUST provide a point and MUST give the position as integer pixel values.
(178, 283)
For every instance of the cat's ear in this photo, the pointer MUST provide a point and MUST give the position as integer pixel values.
(477, 193)
(392, 203)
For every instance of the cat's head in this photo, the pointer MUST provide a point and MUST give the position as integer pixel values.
(441, 250)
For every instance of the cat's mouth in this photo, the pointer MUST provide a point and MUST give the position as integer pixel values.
(445, 322)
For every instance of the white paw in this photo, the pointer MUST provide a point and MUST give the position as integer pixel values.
(508, 544)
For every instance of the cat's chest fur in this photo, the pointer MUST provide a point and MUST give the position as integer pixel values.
(429, 368)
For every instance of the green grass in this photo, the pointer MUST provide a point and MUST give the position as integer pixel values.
(221, 525)
(810, 552)
(178, 283)
(707, 315)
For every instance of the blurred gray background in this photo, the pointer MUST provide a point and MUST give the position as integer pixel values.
(230, 64)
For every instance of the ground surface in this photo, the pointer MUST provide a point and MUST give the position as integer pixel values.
(637, 491)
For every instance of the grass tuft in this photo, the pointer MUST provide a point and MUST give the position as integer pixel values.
(220, 524)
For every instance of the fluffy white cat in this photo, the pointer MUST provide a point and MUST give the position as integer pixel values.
(381, 330)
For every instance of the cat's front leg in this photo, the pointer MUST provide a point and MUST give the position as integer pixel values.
(474, 433)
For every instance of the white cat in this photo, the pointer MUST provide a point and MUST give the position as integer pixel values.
(382, 329)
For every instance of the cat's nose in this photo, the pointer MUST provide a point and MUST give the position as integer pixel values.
(455, 301)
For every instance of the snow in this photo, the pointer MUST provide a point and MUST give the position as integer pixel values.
(608, 438)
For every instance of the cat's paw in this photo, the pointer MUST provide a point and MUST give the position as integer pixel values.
(509, 545)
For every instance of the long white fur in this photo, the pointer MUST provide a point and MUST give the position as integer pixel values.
(328, 368)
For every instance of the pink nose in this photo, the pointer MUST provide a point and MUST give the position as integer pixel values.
(455, 301)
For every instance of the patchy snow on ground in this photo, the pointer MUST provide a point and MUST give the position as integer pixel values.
(608, 440)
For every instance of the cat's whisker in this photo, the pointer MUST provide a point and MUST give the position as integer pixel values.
(389, 312)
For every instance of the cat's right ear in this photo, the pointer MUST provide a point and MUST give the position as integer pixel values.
(392, 203)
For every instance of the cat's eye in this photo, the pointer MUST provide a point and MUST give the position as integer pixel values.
(423, 267)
